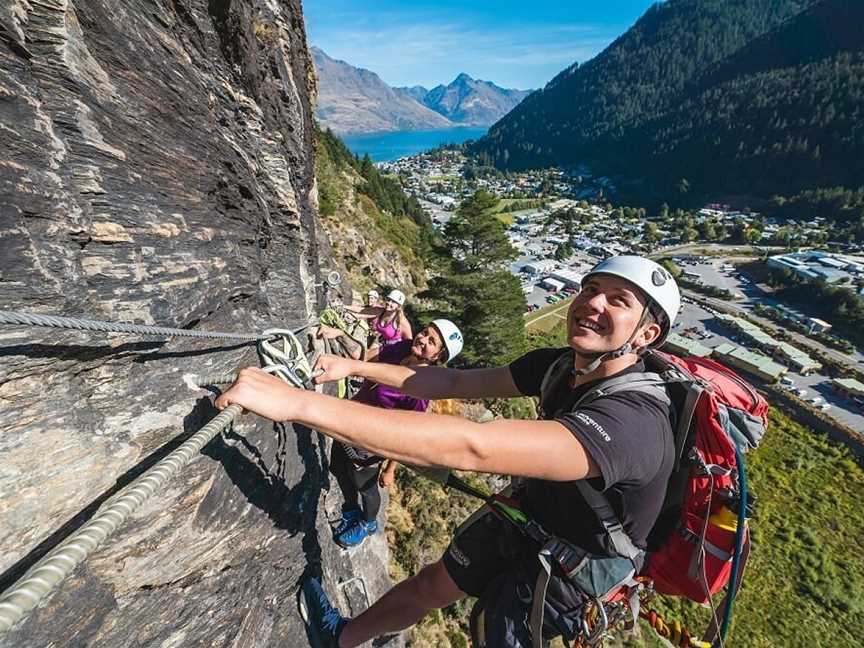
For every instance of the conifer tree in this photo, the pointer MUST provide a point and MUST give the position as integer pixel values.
(478, 293)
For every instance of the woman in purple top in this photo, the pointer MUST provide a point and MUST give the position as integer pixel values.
(389, 325)
(359, 472)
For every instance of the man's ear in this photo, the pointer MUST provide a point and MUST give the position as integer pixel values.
(650, 333)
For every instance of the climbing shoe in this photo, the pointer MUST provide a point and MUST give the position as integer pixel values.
(320, 614)
(355, 534)
(348, 517)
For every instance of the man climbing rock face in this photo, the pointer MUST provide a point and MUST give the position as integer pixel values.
(620, 443)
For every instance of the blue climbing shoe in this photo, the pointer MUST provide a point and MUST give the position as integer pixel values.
(355, 534)
(348, 517)
(320, 614)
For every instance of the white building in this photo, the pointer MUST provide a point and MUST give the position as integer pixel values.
(567, 277)
(552, 285)
(540, 266)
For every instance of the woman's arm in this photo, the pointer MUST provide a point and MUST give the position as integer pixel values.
(423, 382)
(539, 449)
(365, 312)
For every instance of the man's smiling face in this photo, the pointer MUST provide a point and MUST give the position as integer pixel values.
(604, 314)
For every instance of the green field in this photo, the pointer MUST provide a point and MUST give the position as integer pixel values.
(804, 584)
(507, 217)
(545, 318)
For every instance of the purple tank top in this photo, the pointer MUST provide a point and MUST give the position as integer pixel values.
(372, 393)
(389, 333)
(386, 397)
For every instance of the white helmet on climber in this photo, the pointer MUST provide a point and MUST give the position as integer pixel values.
(662, 301)
(397, 297)
(655, 282)
(451, 335)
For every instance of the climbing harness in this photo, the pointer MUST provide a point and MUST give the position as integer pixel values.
(14, 318)
(283, 356)
(598, 617)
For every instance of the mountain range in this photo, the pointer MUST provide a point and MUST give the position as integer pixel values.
(469, 102)
(355, 100)
(743, 96)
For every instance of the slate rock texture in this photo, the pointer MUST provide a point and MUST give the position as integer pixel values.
(156, 167)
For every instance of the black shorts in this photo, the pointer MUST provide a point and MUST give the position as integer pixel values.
(483, 547)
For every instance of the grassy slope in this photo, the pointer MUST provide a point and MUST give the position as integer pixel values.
(343, 208)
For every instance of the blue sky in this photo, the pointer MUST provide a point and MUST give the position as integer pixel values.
(517, 44)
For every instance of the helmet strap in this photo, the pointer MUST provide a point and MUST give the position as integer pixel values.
(623, 350)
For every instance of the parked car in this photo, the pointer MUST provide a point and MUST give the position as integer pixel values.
(801, 393)
(786, 381)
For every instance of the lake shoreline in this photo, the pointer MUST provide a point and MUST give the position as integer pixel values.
(388, 146)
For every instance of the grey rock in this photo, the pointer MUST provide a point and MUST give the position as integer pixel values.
(156, 167)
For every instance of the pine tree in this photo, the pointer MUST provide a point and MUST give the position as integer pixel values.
(478, 293)
(475, 237)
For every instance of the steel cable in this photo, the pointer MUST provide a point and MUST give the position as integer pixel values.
(78, 324)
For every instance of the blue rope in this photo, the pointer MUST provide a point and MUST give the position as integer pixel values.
(739, 540)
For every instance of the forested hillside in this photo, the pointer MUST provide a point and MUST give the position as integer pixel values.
(586, 108)
(749, 96)
(782, 115)
(380, 234)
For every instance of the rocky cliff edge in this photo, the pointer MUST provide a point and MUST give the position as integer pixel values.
(156, 167)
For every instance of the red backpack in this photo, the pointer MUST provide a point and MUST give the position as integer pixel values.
(691, 547)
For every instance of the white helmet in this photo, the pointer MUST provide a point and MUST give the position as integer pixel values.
(373, 295)
(451, 335)
(397, 296)
(652, 279)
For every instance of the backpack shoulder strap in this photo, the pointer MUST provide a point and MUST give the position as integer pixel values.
(646, 382)
(619, 542)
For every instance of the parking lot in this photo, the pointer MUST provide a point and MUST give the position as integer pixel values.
(841, 409)
(541, 297)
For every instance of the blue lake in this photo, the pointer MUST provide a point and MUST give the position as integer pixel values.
(386, 147)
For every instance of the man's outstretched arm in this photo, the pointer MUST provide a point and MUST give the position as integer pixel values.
(540, 449)
(423, 382)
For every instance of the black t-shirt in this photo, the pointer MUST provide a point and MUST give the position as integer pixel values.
(630, 437)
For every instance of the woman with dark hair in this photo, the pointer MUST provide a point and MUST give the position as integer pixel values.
(359, 472)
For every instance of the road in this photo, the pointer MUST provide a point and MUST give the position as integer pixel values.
(714, 248)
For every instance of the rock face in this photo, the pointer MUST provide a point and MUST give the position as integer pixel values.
(354, 100)
(156, 166)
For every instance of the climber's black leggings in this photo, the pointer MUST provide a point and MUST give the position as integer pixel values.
(354, 481)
